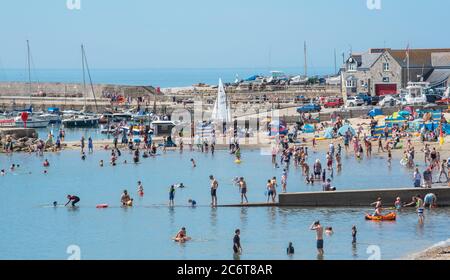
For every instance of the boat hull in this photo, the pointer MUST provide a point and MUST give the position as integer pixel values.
(33, 124)
(81, 123)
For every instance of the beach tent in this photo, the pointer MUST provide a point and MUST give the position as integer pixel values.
(375, 112)
(346, 128)
(328, 133)
(307, 128)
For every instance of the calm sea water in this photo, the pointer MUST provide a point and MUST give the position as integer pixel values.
(164, 77)
(31, 229)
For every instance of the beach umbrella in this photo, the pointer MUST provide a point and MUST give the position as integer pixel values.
(375, 112)
(346, 128)
(328, 133)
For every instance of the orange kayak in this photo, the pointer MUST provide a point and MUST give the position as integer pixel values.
(389, 217)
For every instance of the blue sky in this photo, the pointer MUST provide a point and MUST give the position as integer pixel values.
(212, 33)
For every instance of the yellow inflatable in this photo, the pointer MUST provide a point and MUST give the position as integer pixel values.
(238, 161)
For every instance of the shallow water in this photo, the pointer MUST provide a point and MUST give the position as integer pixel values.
(31, 229)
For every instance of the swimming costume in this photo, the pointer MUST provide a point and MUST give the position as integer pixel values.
(320, 244)
(213, 192)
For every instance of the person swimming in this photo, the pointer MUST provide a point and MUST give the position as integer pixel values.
(193, 163)
(101, 163)
(2, 172)
(182, 236)
(329, 231)
(46, 163)
(55, 203)
(180, 186)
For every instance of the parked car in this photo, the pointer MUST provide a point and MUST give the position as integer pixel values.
(353, 101)
(309, 108)
(301, 99)
(333, 103)
(366, 98)
(374, 100)
(387, 101)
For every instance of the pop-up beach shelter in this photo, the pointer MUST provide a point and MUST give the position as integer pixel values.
(346, 128)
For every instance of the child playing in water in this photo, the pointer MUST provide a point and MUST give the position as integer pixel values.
(354, 233)
(171, 195)
(192, 202)
(140, 189)
(398, 203)
(193, 163)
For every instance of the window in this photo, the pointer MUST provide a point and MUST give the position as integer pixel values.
(352, 67)
(386, 67)
(363, 83)
(351, 83)
(386, 80)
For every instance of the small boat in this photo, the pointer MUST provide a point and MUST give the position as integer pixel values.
(119, 117)
(51, 118)
(7, 123)
(32, 122)
(80, 121)
(106, 118)
(389, 217)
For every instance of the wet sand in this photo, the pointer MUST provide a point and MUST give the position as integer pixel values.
(435, 253)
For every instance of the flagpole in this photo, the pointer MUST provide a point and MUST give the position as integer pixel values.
(409, 74)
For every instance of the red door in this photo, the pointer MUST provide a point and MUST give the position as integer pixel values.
(385, 89)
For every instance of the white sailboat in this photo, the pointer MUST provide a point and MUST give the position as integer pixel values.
(222, 110)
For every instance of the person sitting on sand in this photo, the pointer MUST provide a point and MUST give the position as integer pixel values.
(125, 199)
(181, 236)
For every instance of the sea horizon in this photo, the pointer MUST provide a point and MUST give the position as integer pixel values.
(163, 77)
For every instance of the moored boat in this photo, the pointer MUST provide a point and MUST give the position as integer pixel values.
(81, 121)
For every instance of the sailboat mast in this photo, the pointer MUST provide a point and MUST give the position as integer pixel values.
(306, 62)
(90, 79)
(29, 69)
(84, 75)
(335, 62)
